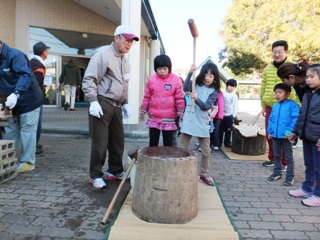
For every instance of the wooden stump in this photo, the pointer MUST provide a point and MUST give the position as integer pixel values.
(252, 145)
(166, 185)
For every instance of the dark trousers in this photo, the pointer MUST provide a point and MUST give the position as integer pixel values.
(39, 124)
(106, 134)
(311, 158)
(225, 129)
(270, 144)
(155, 135)
(281, 146)
(214, 136)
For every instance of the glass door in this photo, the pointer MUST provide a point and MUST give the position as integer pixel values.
(82, 62)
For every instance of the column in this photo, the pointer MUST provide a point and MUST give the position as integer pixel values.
(154, 51)
(131, 15)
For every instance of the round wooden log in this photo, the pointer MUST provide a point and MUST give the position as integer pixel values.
(248, 145)
(166, 185)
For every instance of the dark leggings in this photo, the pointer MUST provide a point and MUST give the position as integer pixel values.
(155, 135)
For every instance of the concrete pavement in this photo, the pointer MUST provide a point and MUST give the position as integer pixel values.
(55, 201)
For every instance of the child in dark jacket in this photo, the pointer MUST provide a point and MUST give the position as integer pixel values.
(307, 128)
(280, 125)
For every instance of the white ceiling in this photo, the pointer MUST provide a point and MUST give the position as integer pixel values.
(109, 9)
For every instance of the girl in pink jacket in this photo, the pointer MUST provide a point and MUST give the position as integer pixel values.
(163, 101)
(214, 136)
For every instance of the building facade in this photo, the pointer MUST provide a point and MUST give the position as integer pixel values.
(75, 28)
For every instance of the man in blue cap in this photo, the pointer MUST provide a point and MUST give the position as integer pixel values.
(24, 97)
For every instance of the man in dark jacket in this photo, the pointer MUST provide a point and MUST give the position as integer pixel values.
(70, 78)
(37, 65)
(24, 97)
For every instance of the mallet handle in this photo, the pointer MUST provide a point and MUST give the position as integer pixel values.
(106, 215)
(195, 34)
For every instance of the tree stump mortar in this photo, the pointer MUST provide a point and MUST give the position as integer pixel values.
(166, 185)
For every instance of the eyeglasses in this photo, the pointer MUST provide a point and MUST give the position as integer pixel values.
(129, 41)
(277, 52)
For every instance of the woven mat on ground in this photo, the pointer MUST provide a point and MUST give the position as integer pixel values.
(211, 223)
(298, 152)
(234, 156)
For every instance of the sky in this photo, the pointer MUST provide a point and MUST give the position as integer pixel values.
(172, 20)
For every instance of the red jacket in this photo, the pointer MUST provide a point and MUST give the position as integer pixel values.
(163, 98)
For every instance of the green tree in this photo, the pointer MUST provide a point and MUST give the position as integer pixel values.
(251, 26)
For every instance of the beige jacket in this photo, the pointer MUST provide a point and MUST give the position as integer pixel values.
(107, 75)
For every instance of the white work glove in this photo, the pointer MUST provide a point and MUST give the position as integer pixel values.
(126, 111)
(11, 101)
(95, 109)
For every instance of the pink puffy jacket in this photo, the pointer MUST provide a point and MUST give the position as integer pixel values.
(220, 104)
(163, 98)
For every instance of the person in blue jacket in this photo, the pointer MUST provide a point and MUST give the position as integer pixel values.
(22, 94)
(281, 122)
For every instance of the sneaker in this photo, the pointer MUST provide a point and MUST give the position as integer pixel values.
(98, 183)
(25, 167)
(288, 182)
(228, 145)
(206, 180)
(215, 148)
(274, 177)
(299, 193)
(294, 146)
(66, 106)
(39, 151)
(268, 163)
(312, 201)
(199, 149)
(111, 177)
(284, 168)
(39, 145)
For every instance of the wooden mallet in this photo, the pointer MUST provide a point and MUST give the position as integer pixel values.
(133, 155)
(195, 34)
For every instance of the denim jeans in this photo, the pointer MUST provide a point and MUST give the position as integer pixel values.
(269, 141)
(283, 145)
(312, 162)
(24, 127)
(214, 136)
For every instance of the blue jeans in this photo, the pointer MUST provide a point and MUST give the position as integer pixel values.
(283, 145)
(312, 162)
(39, 124)
(24, 127)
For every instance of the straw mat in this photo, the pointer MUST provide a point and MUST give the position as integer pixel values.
(234, 156)
(211, 223)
